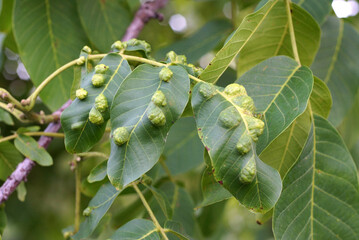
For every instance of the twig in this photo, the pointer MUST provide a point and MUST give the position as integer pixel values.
(23, 169)
(147, 11)
(48, 134)
(291, 31)
(149, 210)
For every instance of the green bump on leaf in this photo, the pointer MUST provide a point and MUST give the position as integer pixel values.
(121, 135)
(118, 45)
(207, 90)
(159, 98)
(255, 127)
(157, 117)
(244, 144)
(98, 80)
(81, 93)
(136, 42)
(235, 89)
(101, 68)
(165, 74)
(101, 103)
(77, 125)
(248, 172)
(95, 116)
(245, 102)
(87, 211)
(230, 117)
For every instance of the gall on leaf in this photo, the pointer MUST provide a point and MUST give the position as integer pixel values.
(121, 135)
(156, 116)
(96, 117)
(165, 74)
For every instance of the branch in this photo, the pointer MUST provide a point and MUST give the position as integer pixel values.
(147, 11)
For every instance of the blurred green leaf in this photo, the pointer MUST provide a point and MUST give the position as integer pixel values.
(337, 64)
(96, 209)
(131, 109)
(320, 197)
(199, 43)
(183, 149)
(104, 21)
(162, 200)
(28, 129)
(81, 134)
(176, 229)
(321, 99)
(31, 149)
(90, 189)
(6, 11)
(3, 219)
(272, 38)
(48, 34)
(5, 117)
(98, 173)
(137, 229)
(9, 158)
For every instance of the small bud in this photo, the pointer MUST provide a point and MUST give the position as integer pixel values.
(77, 125)
(230, 117)
(119, 45)
(95, 116)
(235, 89)
(157, 117)
(101, 103)
(248, 172)
(81, 93)
(81, 60)
(165, 74)
(207, 90)
(98, 80)
(87, 49)
(87, 211)
(120, 135)
(159, 98)
(172, 56)
(245, 102)
(244, 144)
(101, 68)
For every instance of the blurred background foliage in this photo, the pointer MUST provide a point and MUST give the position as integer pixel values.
(197, 28)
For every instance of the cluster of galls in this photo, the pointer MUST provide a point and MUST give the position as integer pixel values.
(119, 46)
(242, 110)
(155, 113)
(101, 103)
(174, 59)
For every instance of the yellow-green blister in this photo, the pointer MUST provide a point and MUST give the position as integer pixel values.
(230, 117)
(119, 45)
(255, 127)
(101, 68)
(245, 102)
(95, 116)
(77, 125)
(207, 90)
(101, 103)
(98, 80)
(234, 90)
(244, 144)
(249, 171)
(121, 135)
(81, 93)
(87, 211)
(159, 98)
(165, 74)
(157, 117)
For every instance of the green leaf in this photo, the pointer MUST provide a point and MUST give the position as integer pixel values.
(280, 89)
(257, 30)
(183, 149)
(212, 191)
(98, 173)
(337, 64)
(201, 42)
(320, 198)
(6, 16)
(176, 229)
(48, 36)
(285, 150)
(96, 209)
(5, 117)
(81, 134)
(104, 21)
(31, 149)
(28, 129)
(137, 229)
(9, 158)
(162, 200)
(3, 220)
(320, 10)
(131, 110)
(321, 99)
(263, 191)
(273, 38)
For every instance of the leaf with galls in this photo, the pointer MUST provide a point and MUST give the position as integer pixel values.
(248, 172)
(207, 90)
(98, 80)
(101, 103)
(235, 89)
(159, 99)
(95, 116)
(101, 68)
(165, 74)
(81, 93)
(230, 117)
(121, 135)
(157, 117)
